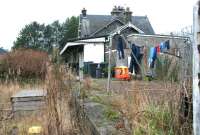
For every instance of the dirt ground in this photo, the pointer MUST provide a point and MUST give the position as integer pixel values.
(152, 87)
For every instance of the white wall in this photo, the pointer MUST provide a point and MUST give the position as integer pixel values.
(94, 52)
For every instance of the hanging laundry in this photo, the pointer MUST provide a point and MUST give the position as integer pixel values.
(151, 63)
(158, 48)
(153, 53)
(164, 46)
(152, 57)
(120, 48)
(132, 62)
(150, 60)
(136, 51)
(167, 45)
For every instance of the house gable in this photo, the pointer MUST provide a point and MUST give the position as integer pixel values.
(108, 28)
(97, 22)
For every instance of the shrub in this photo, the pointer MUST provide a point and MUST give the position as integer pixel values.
(24, 64)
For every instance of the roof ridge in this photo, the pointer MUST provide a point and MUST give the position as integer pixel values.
(145, 16)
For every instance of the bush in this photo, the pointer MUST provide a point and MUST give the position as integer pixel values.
(24, 64)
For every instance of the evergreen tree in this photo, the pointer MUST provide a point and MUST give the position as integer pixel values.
(39, 36)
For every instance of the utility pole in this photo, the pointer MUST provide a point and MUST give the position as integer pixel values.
(196, 69)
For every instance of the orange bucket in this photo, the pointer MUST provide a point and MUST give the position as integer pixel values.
(122, 72)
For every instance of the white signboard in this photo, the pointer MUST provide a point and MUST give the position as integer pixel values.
(94, 52)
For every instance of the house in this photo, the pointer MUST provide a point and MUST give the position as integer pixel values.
(95, 33)
(100, 25)
(93, 36)
(2, 51)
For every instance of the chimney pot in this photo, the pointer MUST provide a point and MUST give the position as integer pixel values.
(128, 15)
(84, 12)
(127, 9)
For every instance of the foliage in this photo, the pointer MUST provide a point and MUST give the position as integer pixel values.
(167, 69)
(24, 64)
(45, 37)
(157, 120)
(71, 31)
(30, 36)
(111, 114)
(96, 98)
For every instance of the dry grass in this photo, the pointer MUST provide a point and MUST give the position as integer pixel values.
(24, 64)
(23, 123)
(6, 122)
(59, 86)
(151, 107)
(9, 89)
(54, 119)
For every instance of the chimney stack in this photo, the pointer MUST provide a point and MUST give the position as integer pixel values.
(117, 12)
(128, 15)
(84, 12)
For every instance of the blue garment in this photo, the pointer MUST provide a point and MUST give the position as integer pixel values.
(164, 45)
(167, 44)
(120, 48)
(152, 63)
(153, 53)
(152, 57)
(138, 55)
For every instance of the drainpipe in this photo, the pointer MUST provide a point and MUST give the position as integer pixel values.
(196, 70)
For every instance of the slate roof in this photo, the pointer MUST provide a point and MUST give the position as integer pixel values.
(2, 51)
(99, 21)
(143, 23)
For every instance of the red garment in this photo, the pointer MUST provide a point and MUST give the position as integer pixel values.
(158, 48)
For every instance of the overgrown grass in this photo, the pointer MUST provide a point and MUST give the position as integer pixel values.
(154, 121)
(54, 118)
(23, 65)
(111, 114)
(168, 68)
(152, 108)
(7, 122)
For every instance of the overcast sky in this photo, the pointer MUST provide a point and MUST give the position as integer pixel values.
(164, 15)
